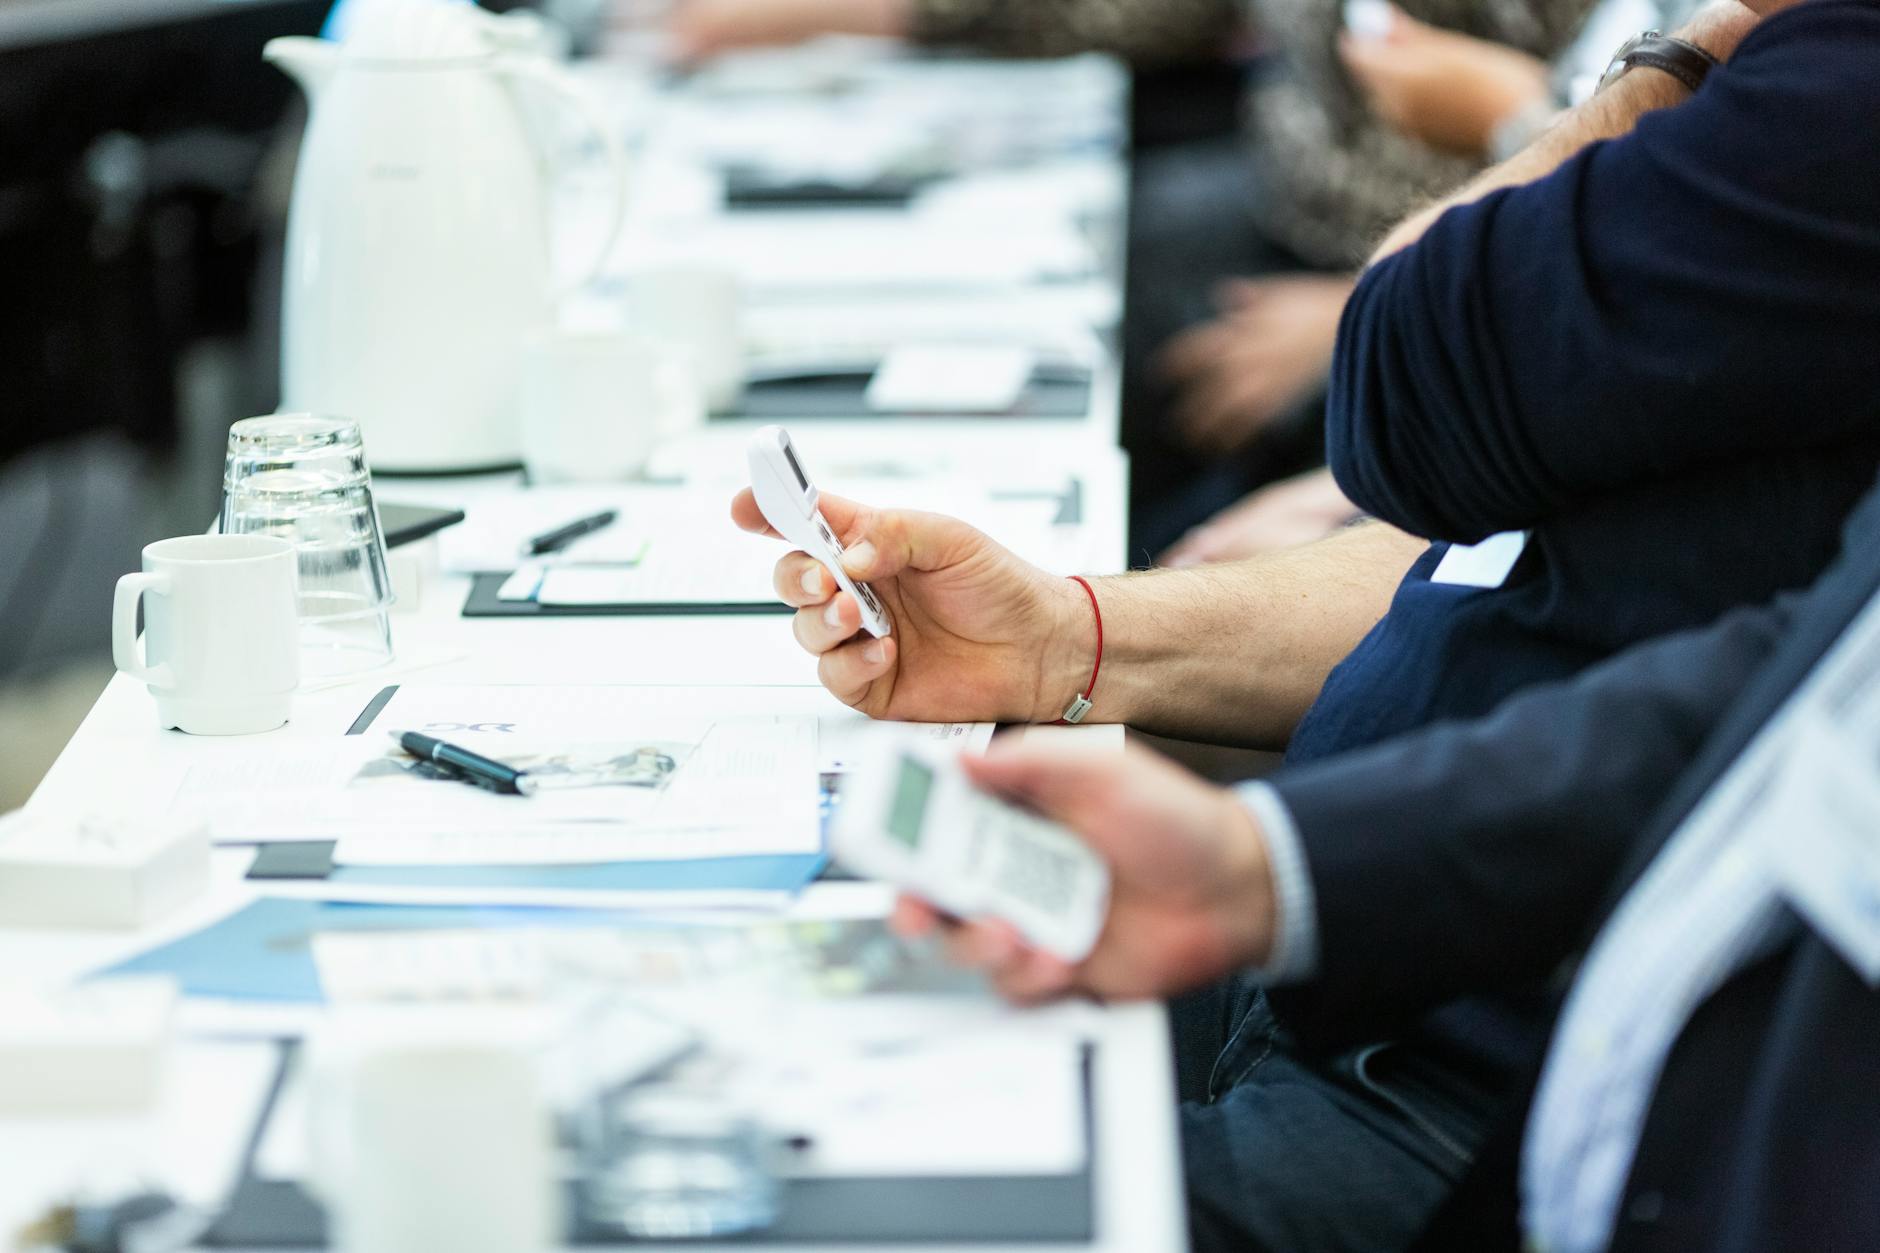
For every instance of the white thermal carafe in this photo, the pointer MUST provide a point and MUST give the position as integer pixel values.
(417, 244)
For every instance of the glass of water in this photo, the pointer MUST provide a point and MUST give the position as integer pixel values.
(664, 1147)
(304, 478)
(676, 1161)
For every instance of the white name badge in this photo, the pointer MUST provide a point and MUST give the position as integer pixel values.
(1826, 839)
(1486, 564)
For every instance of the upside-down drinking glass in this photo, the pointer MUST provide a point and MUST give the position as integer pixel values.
(304, 478)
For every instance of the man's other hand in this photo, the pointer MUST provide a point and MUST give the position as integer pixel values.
(1286, 514)
(1269, 348)
(1191, 892)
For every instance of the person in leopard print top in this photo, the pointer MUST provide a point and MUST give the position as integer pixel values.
(1334, 176)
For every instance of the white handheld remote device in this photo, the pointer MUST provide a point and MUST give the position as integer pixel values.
(910, 816)
(787, 499)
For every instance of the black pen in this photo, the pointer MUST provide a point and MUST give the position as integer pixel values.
(562, 536)
(463, 764)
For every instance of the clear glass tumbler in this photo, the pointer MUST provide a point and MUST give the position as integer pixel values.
(304, 478)
(662, 1147)
(675, 1162)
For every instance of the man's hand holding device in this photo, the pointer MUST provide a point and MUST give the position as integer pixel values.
(970, 632)
(910, 816)
(1191, 896)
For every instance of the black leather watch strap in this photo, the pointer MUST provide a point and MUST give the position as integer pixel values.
(1684, 61)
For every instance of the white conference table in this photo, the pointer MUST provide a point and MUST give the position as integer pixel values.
(120, 746)
(1137, 1182)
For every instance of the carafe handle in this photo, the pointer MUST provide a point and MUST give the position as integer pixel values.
(545, 74)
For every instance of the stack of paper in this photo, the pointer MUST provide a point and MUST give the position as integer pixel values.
(645, 795)
(620, 775)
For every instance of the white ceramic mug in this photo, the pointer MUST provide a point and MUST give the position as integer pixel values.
(221, 631)
(696, 308)
(594, 403)
(421, 1142)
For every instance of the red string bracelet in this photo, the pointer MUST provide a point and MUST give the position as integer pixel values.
(1075, 711)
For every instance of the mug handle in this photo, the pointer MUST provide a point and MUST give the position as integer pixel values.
(130, 589)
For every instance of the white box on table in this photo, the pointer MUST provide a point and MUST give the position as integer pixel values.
(114, 871)
(93, 1047)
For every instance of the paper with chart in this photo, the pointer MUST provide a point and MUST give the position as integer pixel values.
(629, 774)
(626, 774)
(367, 788)
(749, 787)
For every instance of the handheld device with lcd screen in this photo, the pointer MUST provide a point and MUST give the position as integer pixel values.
(787, 498)
(910, 816)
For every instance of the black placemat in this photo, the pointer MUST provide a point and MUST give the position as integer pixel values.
(484, 602)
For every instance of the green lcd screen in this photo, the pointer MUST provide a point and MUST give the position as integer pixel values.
(911, 789)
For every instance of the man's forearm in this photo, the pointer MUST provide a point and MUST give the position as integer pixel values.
(1607, 115)
(1236, 653)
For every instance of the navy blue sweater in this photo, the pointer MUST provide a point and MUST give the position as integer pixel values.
(1663, 359)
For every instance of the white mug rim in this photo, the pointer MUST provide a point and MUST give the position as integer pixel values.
(216, 550)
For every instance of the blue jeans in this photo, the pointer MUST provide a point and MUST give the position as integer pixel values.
(1286, 1154)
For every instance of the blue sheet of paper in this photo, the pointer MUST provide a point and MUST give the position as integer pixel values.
(711, 874)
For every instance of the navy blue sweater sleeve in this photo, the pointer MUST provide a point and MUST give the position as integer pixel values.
(1705, 288)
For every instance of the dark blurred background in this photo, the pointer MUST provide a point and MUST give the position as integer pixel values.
(142, 188)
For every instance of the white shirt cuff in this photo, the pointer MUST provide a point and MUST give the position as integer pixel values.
(1295, 956)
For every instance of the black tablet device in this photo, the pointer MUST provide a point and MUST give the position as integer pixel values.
(407, 524)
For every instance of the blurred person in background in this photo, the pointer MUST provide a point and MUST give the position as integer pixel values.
(1454, 93)
(1241, 252)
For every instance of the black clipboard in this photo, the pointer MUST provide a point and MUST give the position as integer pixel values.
(1042, 1209)
(483, 602)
